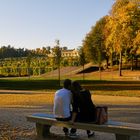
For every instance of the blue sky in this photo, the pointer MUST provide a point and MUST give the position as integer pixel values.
(36, 23)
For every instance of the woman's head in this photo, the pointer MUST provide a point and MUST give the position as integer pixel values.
(76, 86)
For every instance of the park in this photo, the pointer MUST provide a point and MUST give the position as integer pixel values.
(106, 62)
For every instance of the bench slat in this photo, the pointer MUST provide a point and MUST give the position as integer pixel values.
(44, 115)
(110, 126)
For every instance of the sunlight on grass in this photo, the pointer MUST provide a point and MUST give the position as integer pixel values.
(129, 93)
(41, 99)
(115, 100)
(28, 100)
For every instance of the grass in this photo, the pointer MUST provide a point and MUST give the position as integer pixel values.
(44, 99)
(117, 87)
(42, 84)
(127, 75)
(28, 84)
(128, 93)
(26, 100)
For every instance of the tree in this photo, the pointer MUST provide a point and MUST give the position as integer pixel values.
(125, 15)
(94, 43)
(137, 46)
(82, 59)
(57, 56)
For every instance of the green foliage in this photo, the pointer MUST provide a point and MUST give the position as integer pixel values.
(8, 52)
(82, 58)
(24, 66)
(94, 43)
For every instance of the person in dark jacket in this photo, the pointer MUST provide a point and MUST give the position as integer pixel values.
(83, 106)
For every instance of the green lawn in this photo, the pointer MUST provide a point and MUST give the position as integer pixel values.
(124, 88)
(28, 84)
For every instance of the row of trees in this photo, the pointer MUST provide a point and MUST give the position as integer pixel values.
(115, 36)
(9, 52)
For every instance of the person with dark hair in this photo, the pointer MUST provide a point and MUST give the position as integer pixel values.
(62, 103)
(83, 106)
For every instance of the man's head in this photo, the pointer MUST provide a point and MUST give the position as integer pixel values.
(67, 83)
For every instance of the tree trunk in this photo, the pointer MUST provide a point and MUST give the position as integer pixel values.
(120, 64)
(136, 63)
(99, 60)
(28, 71)
(100, 70)
(59, 73)
(132, 63)
(107, 63)
(83, 73)
(112, 65)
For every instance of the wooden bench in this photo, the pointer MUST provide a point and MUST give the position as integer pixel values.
(122, 131)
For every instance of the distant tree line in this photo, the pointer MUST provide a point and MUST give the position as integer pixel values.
(8, 51)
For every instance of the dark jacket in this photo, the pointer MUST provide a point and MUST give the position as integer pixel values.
(83, 105)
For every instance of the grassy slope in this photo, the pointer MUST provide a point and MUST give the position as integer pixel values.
(127, 85)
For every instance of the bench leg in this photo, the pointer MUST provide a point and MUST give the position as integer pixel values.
(122, 137)
(42, 130)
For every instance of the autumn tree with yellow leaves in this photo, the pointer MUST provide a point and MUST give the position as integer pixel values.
(116, 34)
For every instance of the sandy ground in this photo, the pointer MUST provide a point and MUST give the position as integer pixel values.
(15, 107)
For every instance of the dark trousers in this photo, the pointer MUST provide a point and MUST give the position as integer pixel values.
(66, 130)
(81, 118)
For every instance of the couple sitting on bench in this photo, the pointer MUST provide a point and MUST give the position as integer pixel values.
(83, 109)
